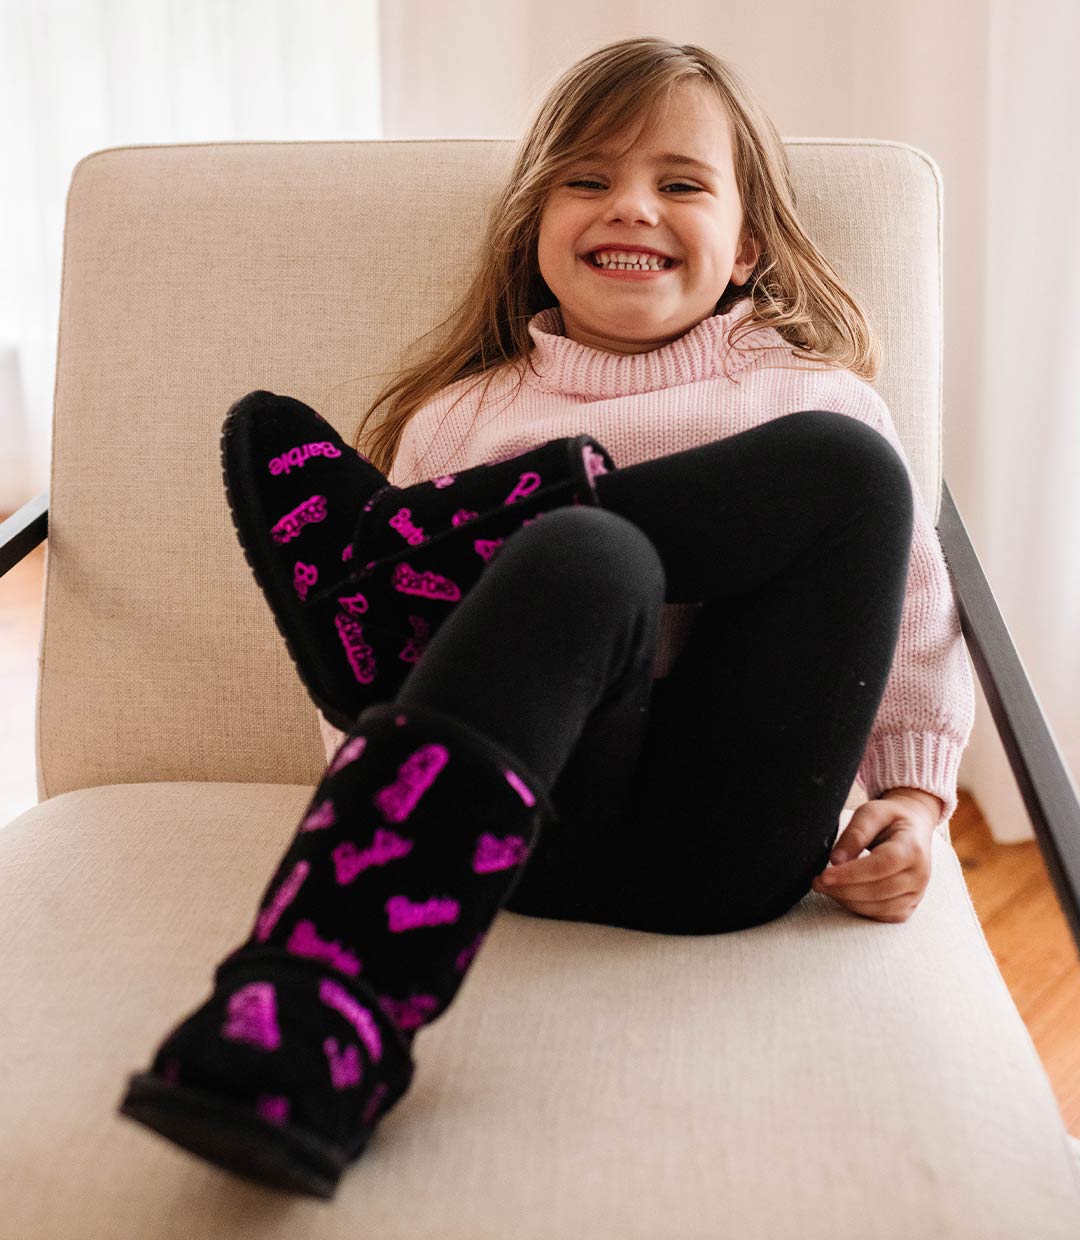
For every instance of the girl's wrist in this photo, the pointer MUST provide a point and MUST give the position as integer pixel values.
(933, 804)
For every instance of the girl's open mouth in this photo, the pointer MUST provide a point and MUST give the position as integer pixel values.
(629, 273)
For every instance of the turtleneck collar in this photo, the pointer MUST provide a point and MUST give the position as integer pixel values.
(563, 365)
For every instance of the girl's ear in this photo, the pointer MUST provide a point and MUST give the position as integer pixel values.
(745, 260)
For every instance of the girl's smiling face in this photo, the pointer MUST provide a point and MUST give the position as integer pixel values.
(689, 212)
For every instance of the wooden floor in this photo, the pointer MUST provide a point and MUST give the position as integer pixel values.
(1009, 886)
(1032, 944)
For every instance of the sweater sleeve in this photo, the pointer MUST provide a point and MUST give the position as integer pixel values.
(927, 710)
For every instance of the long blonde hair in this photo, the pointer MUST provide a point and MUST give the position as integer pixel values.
(792, 286)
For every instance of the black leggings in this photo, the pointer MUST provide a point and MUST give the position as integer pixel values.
(705, 801)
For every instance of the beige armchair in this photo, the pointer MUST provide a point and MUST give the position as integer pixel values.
(823, 1076)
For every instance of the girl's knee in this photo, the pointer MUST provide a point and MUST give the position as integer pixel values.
(594, 550)
(865, 458)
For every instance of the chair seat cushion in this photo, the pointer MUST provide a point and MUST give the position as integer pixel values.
(822, 1076)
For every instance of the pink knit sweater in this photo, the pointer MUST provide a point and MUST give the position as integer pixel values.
(646, 405)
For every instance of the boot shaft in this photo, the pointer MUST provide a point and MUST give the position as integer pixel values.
(415, 837)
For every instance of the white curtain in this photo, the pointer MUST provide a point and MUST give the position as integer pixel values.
(1024, 484)
(78, 76)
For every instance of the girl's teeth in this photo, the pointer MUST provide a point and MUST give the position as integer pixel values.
(644, 263)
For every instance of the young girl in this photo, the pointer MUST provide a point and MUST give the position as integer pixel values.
(653, 397)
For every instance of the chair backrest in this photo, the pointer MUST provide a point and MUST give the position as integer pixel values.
(194, 274)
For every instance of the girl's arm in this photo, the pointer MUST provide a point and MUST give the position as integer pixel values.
(927, 710)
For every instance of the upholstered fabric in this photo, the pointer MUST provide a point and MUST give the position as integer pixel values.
(823, 1075)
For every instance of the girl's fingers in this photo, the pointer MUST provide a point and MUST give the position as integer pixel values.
(883, 910)
(872, 892)
(892, 908)
(878, 905)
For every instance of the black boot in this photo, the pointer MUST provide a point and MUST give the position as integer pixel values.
(358, 573)
(413, 840)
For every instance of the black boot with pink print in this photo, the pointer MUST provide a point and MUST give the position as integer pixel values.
(360, 574)
(415, 837)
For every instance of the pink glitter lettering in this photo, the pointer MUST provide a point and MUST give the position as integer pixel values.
(415, 776)
(594, 462)
(349, 752)
(523, 792)
(283, 897)
(409, 1013)
(274, 1108)
(405, 915)
(372, 1108)
(465, 956)
(347, 554)
(355, 604)
(486, 547)
(290, 525)
(320, 817)
(360, 655)
(344, 1065)
(298, 455)
(350, 861)
(445, 481)
(402, 522)
(304, 577)
(427, 585)
(528, 483)
(304, 941)
(462, 515)
(418, 643)
(252, 1017)
(337, 997)
(495, 854)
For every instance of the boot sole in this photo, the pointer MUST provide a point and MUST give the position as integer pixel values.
(227, 1134)
(237, 472)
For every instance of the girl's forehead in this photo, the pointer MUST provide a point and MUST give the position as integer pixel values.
(699, 115)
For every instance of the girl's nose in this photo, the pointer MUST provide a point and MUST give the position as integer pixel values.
(631, 205)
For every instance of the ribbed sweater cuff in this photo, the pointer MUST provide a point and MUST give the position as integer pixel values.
(926, 760)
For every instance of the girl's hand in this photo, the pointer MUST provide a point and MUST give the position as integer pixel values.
(888, 884)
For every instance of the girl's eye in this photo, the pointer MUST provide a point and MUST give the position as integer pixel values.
(694, 189)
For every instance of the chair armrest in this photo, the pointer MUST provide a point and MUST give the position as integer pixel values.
(1041, 775)
(23, 530)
